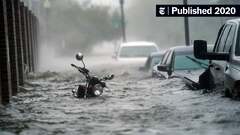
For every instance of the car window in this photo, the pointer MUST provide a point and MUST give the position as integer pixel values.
(222, 40)
(165, 56)
(230, 39)
(169, 59)
(137, 51)
(155, 60)
(237, 49)
(218, 37)
(184, 63)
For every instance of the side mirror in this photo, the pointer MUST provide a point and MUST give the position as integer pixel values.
(165, 68)
(200, 49)
(79, 56)
(200, 52)
(162, 67)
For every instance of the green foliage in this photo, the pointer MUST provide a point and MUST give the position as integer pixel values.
(80, 28)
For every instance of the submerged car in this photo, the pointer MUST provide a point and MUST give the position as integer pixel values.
(136, 52)
(180, 62)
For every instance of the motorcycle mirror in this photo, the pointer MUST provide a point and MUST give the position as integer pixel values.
(79, 56)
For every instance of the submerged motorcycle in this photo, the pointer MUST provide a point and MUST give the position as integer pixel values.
(94, 86)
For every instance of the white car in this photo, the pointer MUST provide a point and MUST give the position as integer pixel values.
(136, 52)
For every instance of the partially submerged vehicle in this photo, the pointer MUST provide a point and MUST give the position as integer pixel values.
(180, 62)
(94, 86)
(224, 65)
(136, 52)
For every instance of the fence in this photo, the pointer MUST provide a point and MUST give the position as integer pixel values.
(18, 46)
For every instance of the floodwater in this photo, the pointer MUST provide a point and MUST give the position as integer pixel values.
(135, 104)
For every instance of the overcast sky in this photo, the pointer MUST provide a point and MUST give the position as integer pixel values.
(113, 3)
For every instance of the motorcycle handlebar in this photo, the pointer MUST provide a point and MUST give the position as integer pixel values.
(74, 66)
(82, 70)
(85, 72)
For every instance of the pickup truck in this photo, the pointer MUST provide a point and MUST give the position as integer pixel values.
(224, 64)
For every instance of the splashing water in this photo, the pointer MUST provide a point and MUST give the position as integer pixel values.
(135, 104)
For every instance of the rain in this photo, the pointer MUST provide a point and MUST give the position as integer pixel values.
(133, 102)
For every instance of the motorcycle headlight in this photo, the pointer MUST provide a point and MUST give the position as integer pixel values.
(98, 89)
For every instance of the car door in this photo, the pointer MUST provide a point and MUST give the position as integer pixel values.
(231, 71)
(223, 44)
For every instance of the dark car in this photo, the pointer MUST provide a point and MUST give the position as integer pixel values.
(180, 62)
(224, 65)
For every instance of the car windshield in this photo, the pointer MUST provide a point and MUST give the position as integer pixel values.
(137, 51)
(155, 60)
(186, 62)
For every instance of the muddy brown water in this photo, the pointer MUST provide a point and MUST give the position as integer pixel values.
(136, 104)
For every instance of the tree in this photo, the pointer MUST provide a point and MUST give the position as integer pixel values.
(78, 27)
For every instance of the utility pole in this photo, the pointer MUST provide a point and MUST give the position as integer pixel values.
(47, 6)
(123, 21)
(186, 25)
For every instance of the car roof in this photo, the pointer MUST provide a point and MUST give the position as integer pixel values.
(187, 49)
(234, 20)
(155, 54)
(139, 43)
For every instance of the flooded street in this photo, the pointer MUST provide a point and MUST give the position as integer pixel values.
(134, 104)
(43, 43)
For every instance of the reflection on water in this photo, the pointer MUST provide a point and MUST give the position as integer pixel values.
(135, 104)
